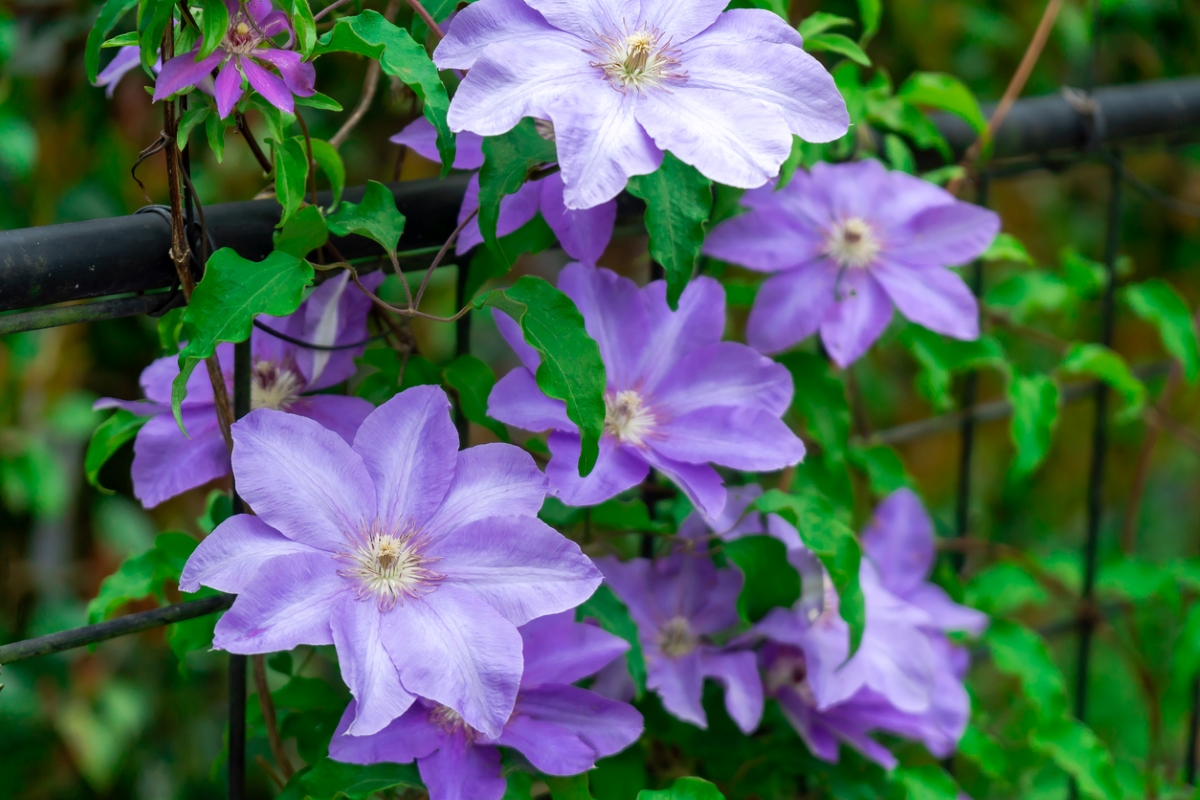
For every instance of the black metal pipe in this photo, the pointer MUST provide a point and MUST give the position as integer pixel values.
(121, 626)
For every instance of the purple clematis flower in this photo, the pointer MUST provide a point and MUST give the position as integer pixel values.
(126, 59)
(678, 397)
(624, 80)
(560, 728)
(246, 43)
(849, 241)
(583, 234)
(678, 602)
(167, 463)
(416, 561)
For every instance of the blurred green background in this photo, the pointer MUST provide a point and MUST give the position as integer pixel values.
(126, 721)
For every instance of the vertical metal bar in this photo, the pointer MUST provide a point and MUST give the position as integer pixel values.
(237, 664)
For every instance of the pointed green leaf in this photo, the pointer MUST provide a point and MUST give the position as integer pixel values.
(153, 17)
(684, 789)
(871, 12)
(1075, 749)
(820, 399)
(837, 43)
(214, 129)
(330, 162)
(142, 575)
(571, 368)
(304, 25)
(770, 581)
(1006, 247)
(1020, 652)
(214, 22)
(899, 154)
(376, 217)
(945, 93)
(821, 21)
(1035, 411)
(224, 304)
(107, 440)
(1103, 364)
(191, 118)
(110, 14)
(604, 607)
(678, 203)
(507, 162)
(303, 233)
(321, 102)
(127, 39)
(291, 176)
(334, 780)
(988, 754)
(927, 782)
(884, 470)
(472, 382)
(941, 358)
(572, 788)
(1160, 304)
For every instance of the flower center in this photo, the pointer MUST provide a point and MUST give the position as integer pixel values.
(676, 638)
(389, 562)
(451, 721)
(241, 37)
(852, 243)
(627, 417)
(637, 60)
(274, 385)
(789, 670)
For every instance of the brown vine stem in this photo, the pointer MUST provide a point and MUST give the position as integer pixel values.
(267, 705)
(329, 8)
(437, 260)
(1015, 86)
(429, 21)
(244, 127)
(1154, 426)
(370, 84)
(312, 162)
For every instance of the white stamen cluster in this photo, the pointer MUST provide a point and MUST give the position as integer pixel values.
(274, 385)
(676, 639)
(790, 671)
(637, 60)
(852, 243)
(627, 417)
(241, 37)
(451, 721)
(389, 562)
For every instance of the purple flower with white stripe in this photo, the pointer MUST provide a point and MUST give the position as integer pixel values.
(247, 42)
(678, 603)
(847, 243)
(560, 728)
(583, 234)
(678, 397)
(624, 80)
(416, 561)
(167, 463)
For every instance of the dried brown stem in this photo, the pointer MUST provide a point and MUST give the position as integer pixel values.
(267, 705)
(370, 84)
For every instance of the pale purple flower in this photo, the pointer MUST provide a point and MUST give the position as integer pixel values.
(624, 80)
(126, 59)
(560, 728)
(849, 241)
(416, 561)
(583, 234)
(247, 42)
(678, 397)
(167, 463)
(678, 603)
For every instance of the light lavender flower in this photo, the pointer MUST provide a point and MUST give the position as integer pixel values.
(678, 397)
(560, 728)
(167, 463)
(246, 43)
(678, 603)
(849, 241)
(583, 234)
(416, 561)
(126, 59)
(624, 80)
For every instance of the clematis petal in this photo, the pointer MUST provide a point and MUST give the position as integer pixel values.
(298, 75)
(228, 88)
(421, 137)
(737, 672)
(730, 137)
(488, 22)
(270, 86)
(230, 557)
(583, 234)
(409, 446)
(630, 581)
(614, 315)
(934, 297)
(945, 613)
(790, 306)
(406, 739)
(366, 666)
(700, 482)
(516, 209)
(819, 739)
(126, 59)
(341, 414)
(617, 468)
(670, 335)
(490, 480)
(738, 27)
(452, 647)
(460, 770)
(946, 235)
(516, 400)
(557, 649)
(587, 18)
(335, 314)
(680, 684)
(726, 374)
(852, 189)
(286, 604)
(183, 71)
(166, 463)
(857, 318)
(302, 479)
(743, 438)
(900, 541)
(681, 19)
(562, 730)
(520, 566)
(766, 240)
(714, 606)
(549, 747)
(510, 331)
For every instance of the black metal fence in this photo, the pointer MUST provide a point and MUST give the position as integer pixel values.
(120, 267)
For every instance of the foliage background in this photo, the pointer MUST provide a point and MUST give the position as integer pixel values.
(125, 721)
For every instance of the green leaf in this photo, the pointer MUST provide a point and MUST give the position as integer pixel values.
(190, 119)
(376, 217)
(945, 93)
(1020, 652)
(1160, 304)
(985, 752)
(884, 470)
(572, 788)
(142, 575)
(214, 129)
(330, 162)
(1185, 655)
(319, 101)
(218, 507)
(899, 154)
(1074, 748)
(472, 381)
(127, 39)
(110, 14)
(1103, 364)
(393, 374)
(329, 779)
(820, 399)
(278, 122)
(291, 175)
(871, 12)
(107, 440)
(214, 22)
(788, 171)
(507, 162)
(837, 43)
(234, 290)
(518, 785)
(770, 581)
(1006, 247)
(821, 21)
(684, 789)
(571, 368)
(941, 357)
(928, 782)
(613, 616)
(369, 34)
(305, 27)
(153, 17)
(303, 233)
(834, 544)
(1034, 400)
(906, 119)
(678, 203)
